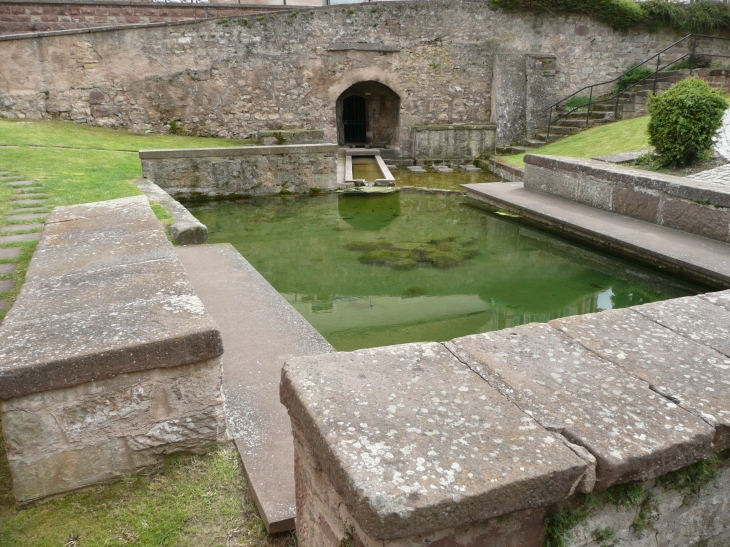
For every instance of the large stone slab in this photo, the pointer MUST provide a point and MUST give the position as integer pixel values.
(692, 375)
(634, 433)
(104, 295)
(415, 442)
(260, 329)
(696, 318)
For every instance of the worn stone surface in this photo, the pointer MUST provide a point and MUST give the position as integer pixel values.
(695, 206)
(260, 329)
(8, 268)
(21, 183)
(453, 141)
(186, 230)
(10, 252)
(254, 170)
(20, 201)
(415, 442)
(439, 60)
(68, 438)
(690, 374)
(633, 432)
(706, 260)
(127, 304)
(27, 216)
(20, 227)
(697, 318)
(7, 285)
(18, 238)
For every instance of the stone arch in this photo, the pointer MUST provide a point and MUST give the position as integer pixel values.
(381, 114)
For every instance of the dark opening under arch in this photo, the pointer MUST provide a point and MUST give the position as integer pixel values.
(368, 113)
(354, 119)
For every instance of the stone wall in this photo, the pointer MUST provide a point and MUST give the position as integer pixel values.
(453, 141)
(286, 71)
(475, 441)
(248, 171)
(109, 359)
(685, 204)
(22, 16)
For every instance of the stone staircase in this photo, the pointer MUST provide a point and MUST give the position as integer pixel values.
(631, 104)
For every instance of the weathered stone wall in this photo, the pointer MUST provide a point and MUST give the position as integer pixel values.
(453, 141)
(21, 16)
(120, 367)
(286, 71)
(253, 170)
(694, 206)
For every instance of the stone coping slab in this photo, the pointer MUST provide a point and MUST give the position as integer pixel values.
(704, 259)
(104, 295)
(280, 150)
(681, 187)
(416, 442)
(634, 433)
(692, 375)
(260, 329)
(186, 230)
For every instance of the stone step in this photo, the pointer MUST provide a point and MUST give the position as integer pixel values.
(520, 149)
(7, 285)
(584, 115)
(8, 268)
(38, 202)
(10, 252)
(27, 216)
(564, 130)
(29, 209)
(19, 238)
(28, 190)
(534, 143)
(553, 137)
(634, 238)
(30, 196)
(21, 183)
(20, 227)
(259, 329)
(445, 168)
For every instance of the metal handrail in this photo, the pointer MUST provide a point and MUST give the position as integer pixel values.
(691, 54)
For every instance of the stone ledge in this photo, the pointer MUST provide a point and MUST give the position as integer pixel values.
(711, 193)
(104, 295)
(186, 230)
(283, 149)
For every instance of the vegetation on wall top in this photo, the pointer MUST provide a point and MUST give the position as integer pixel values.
(698, 17)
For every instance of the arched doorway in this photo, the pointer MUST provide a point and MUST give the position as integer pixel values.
(353, 119)
(368, 113)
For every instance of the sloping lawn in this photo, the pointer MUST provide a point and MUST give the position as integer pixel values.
(191, 500)
(612, 138)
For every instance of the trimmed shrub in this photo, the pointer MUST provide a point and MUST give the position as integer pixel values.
(576, 102)
(684, 120)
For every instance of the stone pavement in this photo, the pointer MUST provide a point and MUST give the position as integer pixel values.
(720, 175)
(24, 222)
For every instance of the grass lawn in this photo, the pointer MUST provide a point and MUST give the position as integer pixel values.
(612, 138)
(191, 500)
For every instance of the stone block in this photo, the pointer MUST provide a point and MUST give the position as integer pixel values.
(634, 433)
(415, 443)
(684, 371)
(65, 439)
(637, 203)
(697, 218)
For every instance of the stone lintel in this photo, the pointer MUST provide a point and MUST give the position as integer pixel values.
(105, 294)
(279, 150)
(360, 46)
(692, 375)
(415, 442)
(634, 433)
(681, 187)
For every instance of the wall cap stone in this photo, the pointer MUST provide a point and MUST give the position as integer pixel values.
(282, 149)
(681, 187)
(105, 294)
(360, 46)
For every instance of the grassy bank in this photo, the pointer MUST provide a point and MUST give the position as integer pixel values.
(613, 138)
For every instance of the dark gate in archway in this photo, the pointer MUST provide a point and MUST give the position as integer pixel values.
(353, 119)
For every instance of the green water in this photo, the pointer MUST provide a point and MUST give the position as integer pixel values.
(374, 270)
(444, 181)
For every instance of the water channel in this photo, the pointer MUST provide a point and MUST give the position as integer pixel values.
(373, 270)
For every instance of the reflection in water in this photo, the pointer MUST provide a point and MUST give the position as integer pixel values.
(311, 250)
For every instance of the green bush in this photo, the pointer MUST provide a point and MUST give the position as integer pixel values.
(576, 102)
(699, 16)
(684, 119)
(633, 75)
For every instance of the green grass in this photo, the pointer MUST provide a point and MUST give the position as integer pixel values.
(612, 138)
(79, 164)
(191, 500)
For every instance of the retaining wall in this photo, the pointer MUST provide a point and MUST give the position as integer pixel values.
(693, 206)
(251, 170)
(475, 441)
(286, 70)
(22, 16)
(453, 141)
(109, 360)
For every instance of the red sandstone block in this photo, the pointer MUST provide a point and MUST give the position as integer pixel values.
(132, 19)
